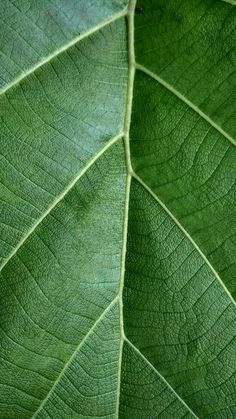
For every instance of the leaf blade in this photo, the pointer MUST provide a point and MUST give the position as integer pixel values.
(145, 392)
(32, 34)
(104, 334)
(176, 312)
(75, 279)
(58, 284)
(55, 122)
(192, 49)
(189, 166)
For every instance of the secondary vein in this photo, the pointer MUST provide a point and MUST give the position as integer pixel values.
(73, 355)
(160, 375)
(64, 48)
(186, 234)
(59, 198)
(186, 101)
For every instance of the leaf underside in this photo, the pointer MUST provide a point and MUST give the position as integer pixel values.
(118, 227)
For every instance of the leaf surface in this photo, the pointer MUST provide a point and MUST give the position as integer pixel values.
(117, 244)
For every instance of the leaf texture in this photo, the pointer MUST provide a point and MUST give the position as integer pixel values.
(117, 243)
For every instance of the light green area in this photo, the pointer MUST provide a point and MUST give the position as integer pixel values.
(57, 119)
(117, 243)
(31, 30)
(58, 285)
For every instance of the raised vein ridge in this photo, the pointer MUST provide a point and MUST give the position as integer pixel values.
(130, 174)
(186, 101)
(73, 355)
(159, 375)
(186, 234)
(59, 198)
(64, 48)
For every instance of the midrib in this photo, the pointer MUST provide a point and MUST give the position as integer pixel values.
(131, 73)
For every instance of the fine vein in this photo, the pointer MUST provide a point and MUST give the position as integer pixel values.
(77, 349)
(60, 197)
(130, 174)
(186, 101)
(64, 48)
(159, 375)
(186, 234)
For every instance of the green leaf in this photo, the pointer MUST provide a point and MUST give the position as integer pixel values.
(118, 227)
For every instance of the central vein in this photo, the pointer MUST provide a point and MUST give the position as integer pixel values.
(131, 72)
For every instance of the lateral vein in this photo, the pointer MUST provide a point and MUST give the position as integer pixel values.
(186, 101)
(186, 234)
(159, 375)
(60, 197)
(73, 355)
(64, 48)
